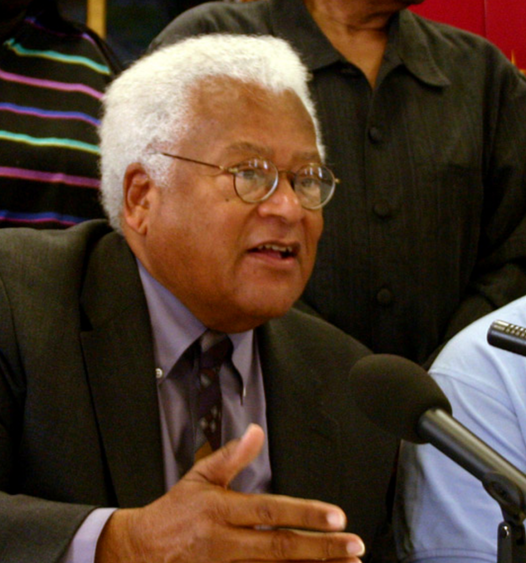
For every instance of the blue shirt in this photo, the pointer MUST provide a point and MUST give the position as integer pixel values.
(442, 512)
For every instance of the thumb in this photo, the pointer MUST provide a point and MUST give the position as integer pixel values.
(224, 464)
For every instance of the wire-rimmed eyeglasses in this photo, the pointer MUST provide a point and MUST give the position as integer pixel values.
(256, 179)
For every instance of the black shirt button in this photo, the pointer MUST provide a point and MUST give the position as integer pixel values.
(382, 209)
(385, 297)
(376, 135)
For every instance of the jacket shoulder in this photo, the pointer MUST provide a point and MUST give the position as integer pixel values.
(314, 339)
(47, 264)
(48, 249)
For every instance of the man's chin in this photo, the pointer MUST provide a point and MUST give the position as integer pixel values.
(262, 313)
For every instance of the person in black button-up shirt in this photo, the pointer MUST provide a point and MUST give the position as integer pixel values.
(426, 128)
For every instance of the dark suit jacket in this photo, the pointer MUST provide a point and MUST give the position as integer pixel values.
(79, 424)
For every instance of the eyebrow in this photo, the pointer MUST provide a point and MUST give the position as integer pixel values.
(311, 156)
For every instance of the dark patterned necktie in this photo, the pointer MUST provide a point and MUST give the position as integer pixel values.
(215, 350)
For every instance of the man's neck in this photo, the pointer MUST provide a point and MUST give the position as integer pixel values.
(358, 30)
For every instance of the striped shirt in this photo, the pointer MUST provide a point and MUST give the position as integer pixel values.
(52, 76)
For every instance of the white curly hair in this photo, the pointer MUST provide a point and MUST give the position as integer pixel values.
(150, 102)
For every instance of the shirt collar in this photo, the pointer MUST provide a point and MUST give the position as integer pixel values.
(407, 45)
(175, 328)
(415, 49)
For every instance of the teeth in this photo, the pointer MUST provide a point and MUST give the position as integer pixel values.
(276, 248)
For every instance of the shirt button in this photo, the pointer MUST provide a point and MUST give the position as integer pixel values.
(385, 297)
(376, 135)
(382, 209)
(159, 373)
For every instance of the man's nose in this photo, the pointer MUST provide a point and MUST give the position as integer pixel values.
(284, 202)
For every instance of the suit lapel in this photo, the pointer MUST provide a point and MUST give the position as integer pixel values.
(303, 438)
(119, 361)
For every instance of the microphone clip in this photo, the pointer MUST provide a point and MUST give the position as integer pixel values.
(511, 534)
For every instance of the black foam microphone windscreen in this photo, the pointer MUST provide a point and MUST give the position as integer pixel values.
(394, 393)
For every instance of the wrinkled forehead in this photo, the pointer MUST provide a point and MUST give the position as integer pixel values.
(222, 89)
(223, 98)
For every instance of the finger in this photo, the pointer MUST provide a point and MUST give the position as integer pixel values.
(291, 545)
(223, 465)
(279, 511)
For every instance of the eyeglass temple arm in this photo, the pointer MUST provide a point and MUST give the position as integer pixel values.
(194, 161)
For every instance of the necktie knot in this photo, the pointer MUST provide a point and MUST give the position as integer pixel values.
(215, 347)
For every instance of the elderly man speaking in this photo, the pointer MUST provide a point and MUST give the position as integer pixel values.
(159, 400)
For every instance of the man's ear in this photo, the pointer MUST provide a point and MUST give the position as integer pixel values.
(138, 189)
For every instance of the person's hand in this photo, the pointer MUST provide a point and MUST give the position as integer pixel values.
(200, 521)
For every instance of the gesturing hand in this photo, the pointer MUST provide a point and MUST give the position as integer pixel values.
(200, 521)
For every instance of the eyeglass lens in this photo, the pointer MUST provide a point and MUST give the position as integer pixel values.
(255, 179)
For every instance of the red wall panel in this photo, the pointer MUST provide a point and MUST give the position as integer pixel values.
(506, 27)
